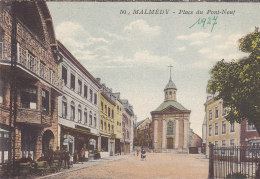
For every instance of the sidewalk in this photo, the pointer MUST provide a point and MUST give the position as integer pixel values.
(90, 163)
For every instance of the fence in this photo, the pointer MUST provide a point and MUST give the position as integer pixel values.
(239, 162)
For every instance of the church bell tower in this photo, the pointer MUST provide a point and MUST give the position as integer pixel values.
(170, 89)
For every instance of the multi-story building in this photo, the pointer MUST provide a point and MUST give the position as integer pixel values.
(249, 135)
(220, 132)
(78, 106)
(118, 123)
(107, 121)
(29, 82)
(204, 136)
(128, 127)
(143, 133)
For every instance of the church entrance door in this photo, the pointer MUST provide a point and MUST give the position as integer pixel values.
(169, 143)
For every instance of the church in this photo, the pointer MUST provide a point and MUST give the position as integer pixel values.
(170, 123)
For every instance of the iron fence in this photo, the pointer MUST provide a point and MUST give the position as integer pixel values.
(236, 162)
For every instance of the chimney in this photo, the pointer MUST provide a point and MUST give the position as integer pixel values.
(98, 79)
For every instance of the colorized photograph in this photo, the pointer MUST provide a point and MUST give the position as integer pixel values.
(129, 90)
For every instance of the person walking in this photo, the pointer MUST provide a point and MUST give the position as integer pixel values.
(143, 154)
(58, 156)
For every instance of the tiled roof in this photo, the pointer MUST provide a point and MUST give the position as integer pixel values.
(172, 103)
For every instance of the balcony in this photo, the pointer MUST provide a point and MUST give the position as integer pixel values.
(33, 117)
(30, 43)
(34, 65)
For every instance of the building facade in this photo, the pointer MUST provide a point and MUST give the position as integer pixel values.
(170, 123)
(128, 127)
(204, 136)
(78, 106)
(107, 121)
(118, 123)
(249, 136)
(143, 133)
(220, 132)
(29, 82)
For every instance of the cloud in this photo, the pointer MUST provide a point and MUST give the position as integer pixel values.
(205, 50)
(181, 49)
(74, 35)
(194, 36)
(231, 41)
(115, 36)
(198, 42)
(142, 58)
(141, 27)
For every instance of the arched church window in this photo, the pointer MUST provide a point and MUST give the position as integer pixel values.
(170, 128)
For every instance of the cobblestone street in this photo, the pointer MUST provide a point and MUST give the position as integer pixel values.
(155, 166)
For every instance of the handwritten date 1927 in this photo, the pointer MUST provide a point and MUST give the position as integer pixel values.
(204, 22)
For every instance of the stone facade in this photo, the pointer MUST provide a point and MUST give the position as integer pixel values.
(220, 132)
(34, 83)
(170, 123)
(143, 134)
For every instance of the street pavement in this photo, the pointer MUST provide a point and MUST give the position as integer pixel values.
(156, 165)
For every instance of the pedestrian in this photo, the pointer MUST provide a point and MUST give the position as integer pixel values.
(82, 154)
(50, 155)
(143, 154)
(58, 156)
(137, 152)
(67, 158)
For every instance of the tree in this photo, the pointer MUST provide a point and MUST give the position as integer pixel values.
(238, 82)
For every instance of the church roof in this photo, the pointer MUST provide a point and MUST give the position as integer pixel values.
(172, 103)
(170, 85)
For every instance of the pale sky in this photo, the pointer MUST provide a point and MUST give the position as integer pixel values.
(130, 53)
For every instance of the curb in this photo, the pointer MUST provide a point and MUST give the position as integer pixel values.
(72, 170)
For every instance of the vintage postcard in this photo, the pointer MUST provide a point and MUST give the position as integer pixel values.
(129, 89)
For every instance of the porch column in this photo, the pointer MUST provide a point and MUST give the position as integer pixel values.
(59, 136)
(99, 143)
(186, 133)
(164, 135)
(156, 135)
(176, 133)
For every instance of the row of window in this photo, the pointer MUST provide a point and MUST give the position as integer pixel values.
(109, 112)
(250, 127)
(106, 127)
(82, 89)
(224, 144)
(224, 112)
(223, 129)
(220, 151)
(85, 119)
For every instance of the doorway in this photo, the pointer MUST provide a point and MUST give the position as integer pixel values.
(169, 143)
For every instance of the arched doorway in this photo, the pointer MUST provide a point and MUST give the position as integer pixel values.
(47, 141)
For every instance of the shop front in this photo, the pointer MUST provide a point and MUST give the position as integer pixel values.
(5, 145)
(79, 141)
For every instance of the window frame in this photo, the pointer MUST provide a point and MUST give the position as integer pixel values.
(72, 82)
(64, 81)
(224, 123)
